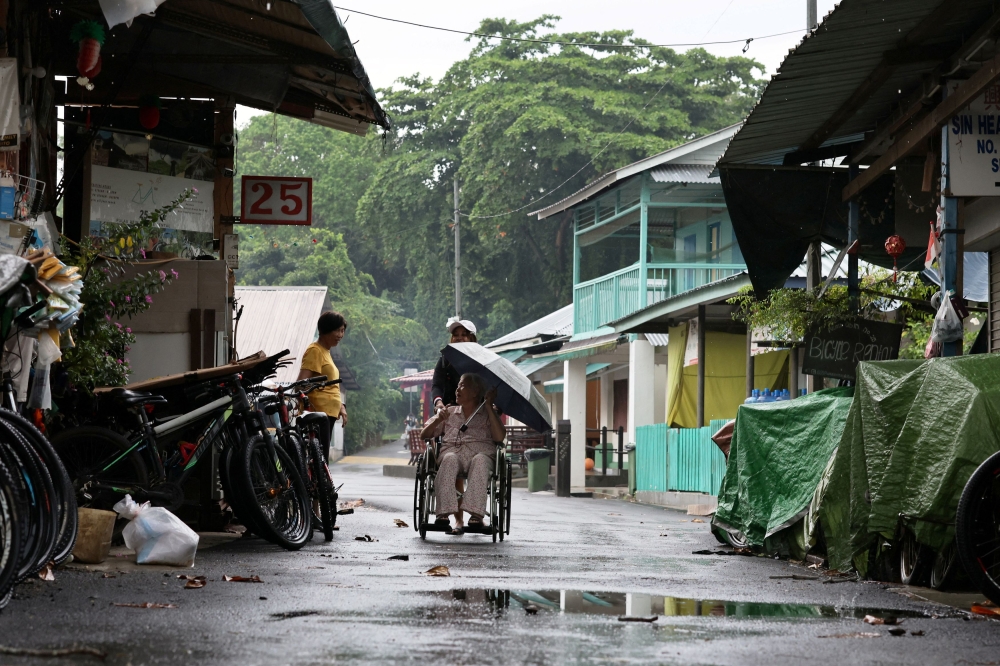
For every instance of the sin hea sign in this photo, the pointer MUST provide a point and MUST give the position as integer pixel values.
(276, 200)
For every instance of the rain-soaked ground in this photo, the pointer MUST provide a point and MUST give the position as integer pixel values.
(577, 581)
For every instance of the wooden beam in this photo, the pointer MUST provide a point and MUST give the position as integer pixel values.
(909, 141)
(930, 24)
(916, 101)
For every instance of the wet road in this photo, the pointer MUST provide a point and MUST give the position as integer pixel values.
(576, 565)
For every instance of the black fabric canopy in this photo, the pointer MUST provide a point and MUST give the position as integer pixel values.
(778, 211)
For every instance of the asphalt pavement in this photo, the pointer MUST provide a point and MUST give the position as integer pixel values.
(556, 591)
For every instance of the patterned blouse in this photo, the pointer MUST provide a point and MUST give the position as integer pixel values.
(476, 437)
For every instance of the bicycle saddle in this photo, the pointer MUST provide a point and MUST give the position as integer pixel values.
(128, 397)
(312, 417)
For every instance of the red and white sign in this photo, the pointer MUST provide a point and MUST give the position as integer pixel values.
(276, 200)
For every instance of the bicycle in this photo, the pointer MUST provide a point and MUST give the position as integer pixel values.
(307, 438)
(259, 479)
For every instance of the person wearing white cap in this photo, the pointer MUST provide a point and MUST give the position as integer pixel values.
(445, 384)
(445, 376)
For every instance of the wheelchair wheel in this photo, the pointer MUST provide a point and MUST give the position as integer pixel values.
(418, 492)
(506, 518)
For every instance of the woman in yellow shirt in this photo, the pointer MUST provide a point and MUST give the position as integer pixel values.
(317, 361)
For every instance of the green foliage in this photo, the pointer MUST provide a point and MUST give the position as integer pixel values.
(102, 341)
(513, 121)
(789, 313)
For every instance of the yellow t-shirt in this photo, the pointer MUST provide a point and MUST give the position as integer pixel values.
(318, 360)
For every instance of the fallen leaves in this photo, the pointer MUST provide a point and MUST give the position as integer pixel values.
(404, 558)
(697, 520)
(46, 573)
(147, 604)
(399, 522)
(242, 579)
(857, 634)
(980, 609)
(366, 538)
(353, 504)
(439, 570)
(193, 582)
(107, 575)
(871, 619)
(897, 631)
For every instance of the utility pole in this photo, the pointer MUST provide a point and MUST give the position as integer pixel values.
(811, 19)
(458, 259)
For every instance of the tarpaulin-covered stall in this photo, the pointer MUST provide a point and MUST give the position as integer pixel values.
(915, 433)
(776, 460)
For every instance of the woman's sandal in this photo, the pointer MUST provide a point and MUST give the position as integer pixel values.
(475, 522)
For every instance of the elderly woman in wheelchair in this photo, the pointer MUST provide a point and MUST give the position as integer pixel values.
(469, 432)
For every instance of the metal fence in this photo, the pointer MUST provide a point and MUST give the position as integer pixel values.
(679, 459)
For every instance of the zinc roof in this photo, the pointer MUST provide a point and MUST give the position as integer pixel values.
(553, 324)
(822, 73)
(278, 318)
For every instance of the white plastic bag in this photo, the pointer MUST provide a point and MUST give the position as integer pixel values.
(156, 535)
(947, 326)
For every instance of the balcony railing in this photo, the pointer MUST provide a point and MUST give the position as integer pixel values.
(619, 294)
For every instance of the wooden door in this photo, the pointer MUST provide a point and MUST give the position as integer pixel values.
(620, 409)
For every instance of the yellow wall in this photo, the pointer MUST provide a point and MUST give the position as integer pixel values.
(725, 377)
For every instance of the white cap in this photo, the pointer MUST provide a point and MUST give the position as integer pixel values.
(455, 322)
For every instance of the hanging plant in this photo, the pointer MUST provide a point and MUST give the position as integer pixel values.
(149, 111)
(89, 37)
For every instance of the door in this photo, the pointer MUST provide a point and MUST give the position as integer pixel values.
(620, 409)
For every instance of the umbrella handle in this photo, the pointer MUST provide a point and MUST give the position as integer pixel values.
(465, 426)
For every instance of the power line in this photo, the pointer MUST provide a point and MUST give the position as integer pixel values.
(745, 40)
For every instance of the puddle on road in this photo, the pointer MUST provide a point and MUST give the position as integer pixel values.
(627, 604)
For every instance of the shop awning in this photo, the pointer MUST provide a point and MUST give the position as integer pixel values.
(583, 348)
(556, 385)
(292, 57)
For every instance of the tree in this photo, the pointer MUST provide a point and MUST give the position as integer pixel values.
(513, 122)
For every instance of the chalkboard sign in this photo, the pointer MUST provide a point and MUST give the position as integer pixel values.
(836, 352)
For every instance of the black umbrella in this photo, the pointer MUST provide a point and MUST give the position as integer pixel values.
(516, 397)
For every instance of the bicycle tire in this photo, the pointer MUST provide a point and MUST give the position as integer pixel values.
(81, 449)
(40, 536)
(288, 523)
(320, 472)
(978, 518)
(10, 535)
(65, 500)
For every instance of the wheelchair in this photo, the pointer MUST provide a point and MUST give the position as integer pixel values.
(424, 497)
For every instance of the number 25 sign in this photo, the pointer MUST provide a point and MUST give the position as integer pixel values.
(276, 200)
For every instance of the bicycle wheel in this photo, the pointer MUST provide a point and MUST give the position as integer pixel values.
(40, 524)
(977, 528)
(321, 483)
(89, 454)
(275, 494)
(65, 496)
(10, 534)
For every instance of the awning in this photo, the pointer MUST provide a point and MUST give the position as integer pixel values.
(556, 385)
(512, 354)
(583, 348)
(417, 379)
(533, 365)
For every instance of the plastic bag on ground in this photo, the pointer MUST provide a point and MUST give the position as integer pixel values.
(947, 326)
(156, 535)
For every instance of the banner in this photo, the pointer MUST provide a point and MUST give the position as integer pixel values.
(10, 105)
(119, 195)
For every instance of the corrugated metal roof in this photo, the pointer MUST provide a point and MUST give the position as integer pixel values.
(704, 150)
(657, 339)
(684, 173)
(533, 365)
(416, 379)
(555, 323)
(277, 318)
(824, 71)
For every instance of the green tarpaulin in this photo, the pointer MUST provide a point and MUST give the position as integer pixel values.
(915, 433)
(777, 457)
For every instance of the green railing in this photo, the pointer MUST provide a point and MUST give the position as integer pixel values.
(681, 459)
(610, 297)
